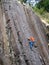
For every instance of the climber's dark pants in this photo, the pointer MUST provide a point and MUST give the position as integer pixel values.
(31, 44)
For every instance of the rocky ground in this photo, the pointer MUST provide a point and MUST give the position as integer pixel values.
(16, 17)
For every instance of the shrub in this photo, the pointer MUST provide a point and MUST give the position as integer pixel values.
(48, 21)
(41, 11)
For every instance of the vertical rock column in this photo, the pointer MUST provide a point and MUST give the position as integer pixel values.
(6, 59)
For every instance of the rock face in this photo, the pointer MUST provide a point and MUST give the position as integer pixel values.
(16, 17)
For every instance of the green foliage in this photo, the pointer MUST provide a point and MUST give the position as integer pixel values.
(43, 4)
(40, 11)
(35, 9)
(48, 21)
(23, 1)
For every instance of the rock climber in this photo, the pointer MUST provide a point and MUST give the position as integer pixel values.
(31, 42)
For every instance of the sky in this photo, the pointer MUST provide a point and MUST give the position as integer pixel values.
(33, 2)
